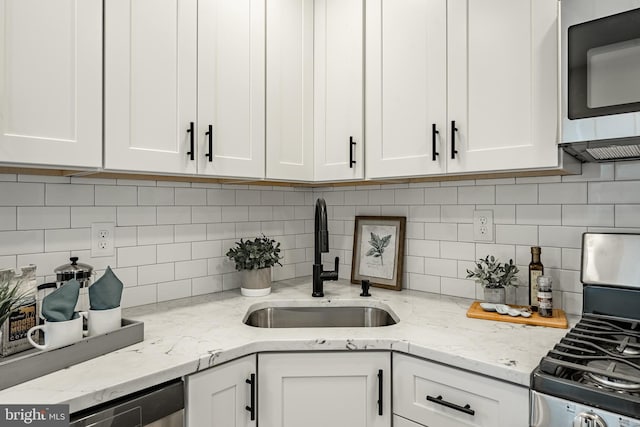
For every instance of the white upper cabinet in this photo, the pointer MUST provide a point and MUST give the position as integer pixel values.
(231, 87)
(338, 90)
(503, 92)
(150, 85)
(289, 45)
(406, 87)
(175, 69)
(51, 82)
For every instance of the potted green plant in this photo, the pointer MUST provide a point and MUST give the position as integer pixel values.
(254, 259)
(494, 277)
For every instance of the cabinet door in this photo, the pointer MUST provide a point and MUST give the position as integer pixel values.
(150, 85)
(231, 85)
(51, 82)
(290, 89)
(323, 389)
(338, 89)
(406, 99)
(503, 91)
(435, 395)
(218, 397)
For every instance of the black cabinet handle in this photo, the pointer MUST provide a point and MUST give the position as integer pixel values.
(210, 134)
(252, 408)
(191, 133)
(380, 391)
(352, 147)
(466, 408)
(434, 132)
(454, 129)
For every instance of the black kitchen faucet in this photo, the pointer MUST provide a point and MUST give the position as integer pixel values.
(321, 237)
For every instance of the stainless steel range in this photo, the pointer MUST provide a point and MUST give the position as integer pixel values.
(591, 378)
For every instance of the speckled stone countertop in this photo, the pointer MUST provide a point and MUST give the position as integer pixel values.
(188, 335)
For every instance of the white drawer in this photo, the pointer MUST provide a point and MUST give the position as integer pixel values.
(494, 403)
(403, 422)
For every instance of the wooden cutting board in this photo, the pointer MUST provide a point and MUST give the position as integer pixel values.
(559, 319)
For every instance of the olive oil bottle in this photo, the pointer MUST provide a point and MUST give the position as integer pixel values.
(535, 269)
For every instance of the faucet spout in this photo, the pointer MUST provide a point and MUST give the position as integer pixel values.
(321, 241)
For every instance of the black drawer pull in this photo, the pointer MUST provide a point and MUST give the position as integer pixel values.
(454, 129)
(191, 132)
(434, 132)
(252, 408)
(380, 391)
(209, 133)
(466, 408)
(352, 147)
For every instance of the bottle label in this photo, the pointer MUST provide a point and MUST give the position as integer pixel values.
(533, 280)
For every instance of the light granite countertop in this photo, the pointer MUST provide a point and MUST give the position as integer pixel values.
(188, 335)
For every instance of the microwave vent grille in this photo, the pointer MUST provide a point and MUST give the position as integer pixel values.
(614, 152)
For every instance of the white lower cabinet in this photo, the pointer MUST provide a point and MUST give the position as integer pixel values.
(223, 396)
(403, 422)
(341, 389)
(439, 396)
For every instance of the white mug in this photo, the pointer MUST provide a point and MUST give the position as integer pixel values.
(103, 321)
(58, 334)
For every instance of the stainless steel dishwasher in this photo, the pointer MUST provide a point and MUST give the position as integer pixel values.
(160, 406)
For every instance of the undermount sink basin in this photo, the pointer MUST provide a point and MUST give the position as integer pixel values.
(319, 316)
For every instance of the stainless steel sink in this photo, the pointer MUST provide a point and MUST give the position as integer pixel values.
(319, 317)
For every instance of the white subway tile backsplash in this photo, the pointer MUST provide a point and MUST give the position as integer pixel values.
(441, 267)
(272, 198)
(626, 170)
(21, 194)
(571, 302)
(614, 192)
(173, 215)
(156, 273)
(220, 265)
(502, 214)
(571, 259)
(156, 196)
(537, 179)
(502, 252)
(414, 230)
(9, 261)
(424, 213)
(517, 234)
(627, 216)
(68, 194)
(424, 283)
(8, 218)
(206, 285)
(190, 233)
(561, 237)
(127, 275)
(67, 239)
(248, 230)
(44, 178)
(539, 214)
(409, 196)
(225, 230)
(206, 214)
(457, 287)
(136, 255)
(344, 213)
(441, 196)
(457, 213)
(116, 195)
(458, 250)
(485, 194)
(517, 194)
(190, 197)
(588, 215)
(21, 242)
(33, 218)
(293, 198)
(563, 193)
(414, 264)
(46, 263)
(424, 248)
(593, 172)
(155, 234)
(126, 236)
(85, 216)
(440, 231)
(381, 197)
(235, 213)
(138, 182)
(247, 197)
(260, 213)
(174, 252)
(189, 269)
(139, 295)
(136, 216)
(174, 290)
(357, 198)
(272, 228)
(465, 233)
(221, 197)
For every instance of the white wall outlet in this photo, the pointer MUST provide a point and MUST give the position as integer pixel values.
(483, 226)
(102, 239)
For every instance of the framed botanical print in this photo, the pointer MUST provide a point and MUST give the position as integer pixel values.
(378, 251)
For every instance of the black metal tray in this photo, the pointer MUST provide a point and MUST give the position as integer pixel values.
(30, 364)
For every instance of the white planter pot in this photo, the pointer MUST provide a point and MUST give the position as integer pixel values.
(256, 283)
(494, 295)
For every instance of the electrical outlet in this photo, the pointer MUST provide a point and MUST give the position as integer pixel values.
(483, 226)
(102, 239)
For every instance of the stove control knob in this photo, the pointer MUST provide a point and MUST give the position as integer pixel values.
(588, 419)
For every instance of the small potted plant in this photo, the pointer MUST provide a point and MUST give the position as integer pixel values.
(494, 276)
(254, 259)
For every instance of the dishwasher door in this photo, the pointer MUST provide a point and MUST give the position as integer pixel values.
(161, 406)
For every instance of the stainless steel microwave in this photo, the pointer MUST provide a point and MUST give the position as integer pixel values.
(600, 68)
